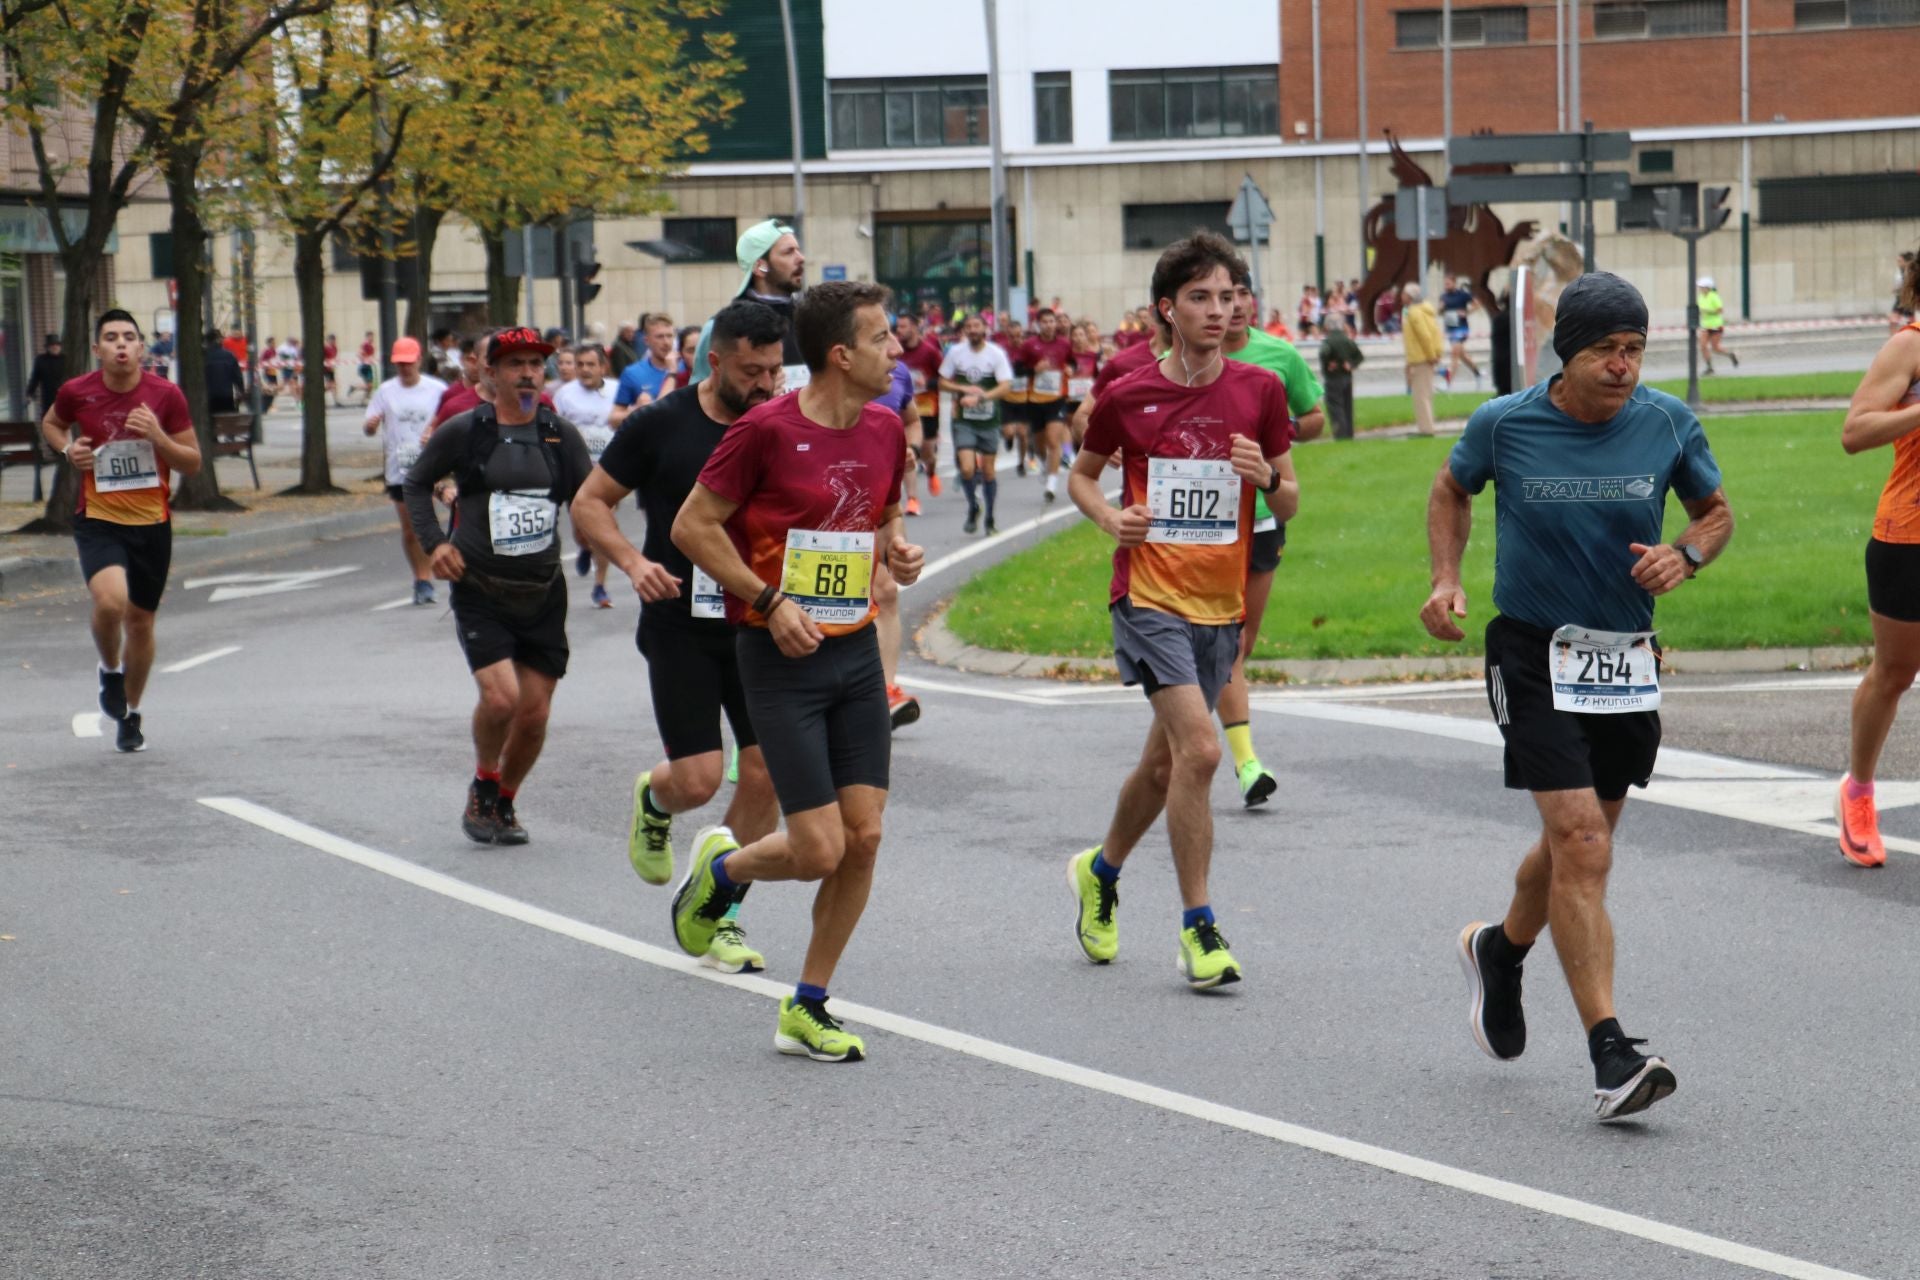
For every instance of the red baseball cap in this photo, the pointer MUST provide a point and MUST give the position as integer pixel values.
(406, 351)
(508, 341)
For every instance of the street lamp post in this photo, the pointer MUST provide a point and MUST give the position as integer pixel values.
(799, 134)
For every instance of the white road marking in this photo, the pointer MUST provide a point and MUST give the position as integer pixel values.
(984, 545)
(391, 604)
(190, 663)
(87, 724)
(241, 586)
(1512, 1193)
(996, 695)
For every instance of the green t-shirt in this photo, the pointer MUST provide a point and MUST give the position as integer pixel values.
(1304, 391)
(1712, 310)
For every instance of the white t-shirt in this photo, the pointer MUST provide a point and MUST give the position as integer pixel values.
(587, 410)
(405, 412)
(988, 366)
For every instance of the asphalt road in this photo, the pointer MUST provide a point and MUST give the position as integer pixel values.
(348, 1043)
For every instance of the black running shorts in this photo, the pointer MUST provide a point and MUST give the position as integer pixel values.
(494, 629)
(694, 676)
(822, 719)
(145, 551)
(1267, 546)
(1549, 750)
(1893, 579)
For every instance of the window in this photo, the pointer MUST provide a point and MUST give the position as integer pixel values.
(1155, 226)
(1052, 107)
(1633, 19)
(1194, 102)
(713, 238)
(1847, 197)
(1636, 211)
(1420, 28)
(1656, 162)
(160, 251)
(870, 115)
(345, 257)
(1809, 14)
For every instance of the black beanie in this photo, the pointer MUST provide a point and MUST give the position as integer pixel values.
(1596, 306)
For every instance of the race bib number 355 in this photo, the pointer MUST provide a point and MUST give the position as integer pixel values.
(1193, 500)
(829, 575)
(1603, 672)
(520, 524)
(124, 465)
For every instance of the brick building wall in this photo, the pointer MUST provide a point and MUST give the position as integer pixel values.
(1626, 83)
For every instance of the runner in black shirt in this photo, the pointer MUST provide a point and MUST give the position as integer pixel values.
(659, 451)
(516, 463)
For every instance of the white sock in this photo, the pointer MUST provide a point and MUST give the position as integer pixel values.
(106, 670)
(132, 710)
(1053, 483)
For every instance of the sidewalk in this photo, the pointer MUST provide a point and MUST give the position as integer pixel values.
(33, 564)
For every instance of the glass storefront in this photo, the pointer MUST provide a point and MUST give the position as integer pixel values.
(946, 263)
(15, 346)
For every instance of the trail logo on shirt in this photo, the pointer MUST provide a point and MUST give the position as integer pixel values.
(1588, 488)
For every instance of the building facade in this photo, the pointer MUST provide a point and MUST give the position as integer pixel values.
(1125, 125)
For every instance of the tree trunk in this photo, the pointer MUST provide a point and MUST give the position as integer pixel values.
(419, 283)
(316, 472)
(76, 338)
(201, 491)
(503, 290)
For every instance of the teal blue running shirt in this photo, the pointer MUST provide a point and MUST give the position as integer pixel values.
(1570, 496)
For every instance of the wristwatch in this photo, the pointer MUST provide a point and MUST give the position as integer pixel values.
(1696, 561)
(1273, 485)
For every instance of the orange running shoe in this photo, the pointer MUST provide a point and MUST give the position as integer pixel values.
(933, 483)
(902, 707)
(913, 506)
(1860, 841)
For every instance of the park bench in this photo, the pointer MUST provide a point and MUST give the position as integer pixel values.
(233, 438)
(20, 447)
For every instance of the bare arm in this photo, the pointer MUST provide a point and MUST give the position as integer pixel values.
(1127, 527)
(594, 521)
(1871, 421)
(700, 531)
(1449, 519)
(1661, 568)
(1309, 425)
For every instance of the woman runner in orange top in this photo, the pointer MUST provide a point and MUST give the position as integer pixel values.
(1885, 410)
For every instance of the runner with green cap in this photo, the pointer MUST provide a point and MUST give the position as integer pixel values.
(772, 273)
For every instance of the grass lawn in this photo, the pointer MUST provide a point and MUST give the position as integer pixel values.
(1370, 412)
(1355, 572)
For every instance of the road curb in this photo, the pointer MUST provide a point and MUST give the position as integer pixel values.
(938, 644)
(26, 575)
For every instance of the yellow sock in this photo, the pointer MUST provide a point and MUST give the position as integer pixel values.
(1240, 742)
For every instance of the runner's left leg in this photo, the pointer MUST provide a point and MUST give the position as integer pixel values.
(1235, 703)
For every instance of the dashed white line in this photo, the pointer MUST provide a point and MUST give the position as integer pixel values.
(189, 664)
(1513, 1193)
(87, 724)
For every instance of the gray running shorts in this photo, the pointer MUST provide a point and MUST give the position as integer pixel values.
(1155, 649)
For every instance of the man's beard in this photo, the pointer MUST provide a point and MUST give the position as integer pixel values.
(737, 401)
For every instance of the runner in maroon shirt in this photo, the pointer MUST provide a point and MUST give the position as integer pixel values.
(921, 354)
(1124, 362)
(788, 517)
(1047, 354)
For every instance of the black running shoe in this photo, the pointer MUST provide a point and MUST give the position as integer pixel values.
(583, 563)
(113, 694)
(992, 528)
(973, 521)
(1626, 1081)
(130, 738)
(507, 828)
(479, 822)
(1499, 1024)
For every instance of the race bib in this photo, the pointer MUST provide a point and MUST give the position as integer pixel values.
(1079, 388)
(124, 465)
(708, 600)
(597, 439)
(1047, 382)
(1603, 672)
(797, 376)
(1266, 524)
(521, 524)
(919, 377)
(829, 575)
(1195, 501)
(981, 412)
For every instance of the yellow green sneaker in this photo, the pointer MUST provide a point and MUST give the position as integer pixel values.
(1098, 933)
(733, 764)
(649, 839)
(807, 1028)
(1204, 957)
(729, 952)
(1256, 784)
(700, 903)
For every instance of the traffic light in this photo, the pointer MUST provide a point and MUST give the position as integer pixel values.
(1713, 208)
(584, 273)
(1669, 213)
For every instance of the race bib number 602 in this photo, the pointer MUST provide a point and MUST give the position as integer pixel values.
(1195, 501)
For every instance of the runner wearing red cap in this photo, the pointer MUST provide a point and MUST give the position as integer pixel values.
(517, 464)
(405, 404)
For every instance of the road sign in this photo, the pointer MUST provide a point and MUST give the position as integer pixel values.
(1250, 215)
(1542, 188)
(1538, 148)
(1407, 213)
(833, 271)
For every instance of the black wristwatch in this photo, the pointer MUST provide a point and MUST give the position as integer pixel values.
(1695, 557)
(1273, 485)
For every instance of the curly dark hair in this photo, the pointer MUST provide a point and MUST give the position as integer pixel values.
(1185, 261)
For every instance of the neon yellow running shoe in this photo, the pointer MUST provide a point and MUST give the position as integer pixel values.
(1098, 933)
(1204, 957)
(733, 764)
(1256, 784)
(807, 1028)
(729, 952)
(700, 903)
(649, 839)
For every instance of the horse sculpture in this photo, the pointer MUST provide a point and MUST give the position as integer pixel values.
(1476, 243)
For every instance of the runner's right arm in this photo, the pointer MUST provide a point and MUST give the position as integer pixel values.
(1449, 520)
(594, 521)
(62, 439)
(1871, 419)
(438, 459)
(700, 531)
